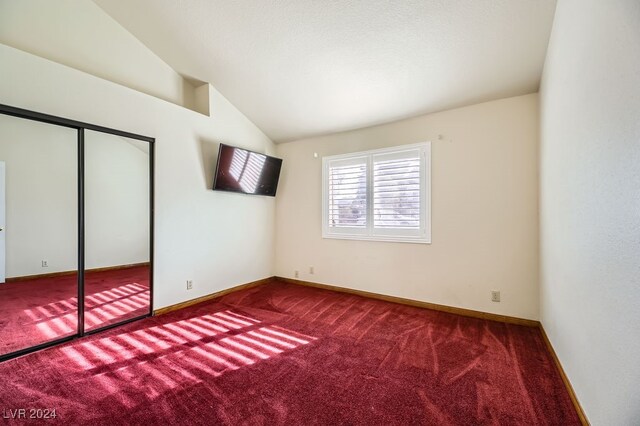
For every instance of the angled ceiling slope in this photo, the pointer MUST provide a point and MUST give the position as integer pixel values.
(299, 68)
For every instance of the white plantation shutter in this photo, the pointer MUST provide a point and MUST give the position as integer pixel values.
(398, 200)
(379, 195)
(346, 188)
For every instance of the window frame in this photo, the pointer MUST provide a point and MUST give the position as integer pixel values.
(370, 233)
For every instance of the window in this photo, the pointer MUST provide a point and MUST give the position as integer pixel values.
(381, 195)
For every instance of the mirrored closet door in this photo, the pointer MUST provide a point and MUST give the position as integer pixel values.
(76, 229)
(38, 240)
(117, 237)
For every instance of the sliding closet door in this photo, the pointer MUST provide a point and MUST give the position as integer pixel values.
(38, 233)
(117, 229)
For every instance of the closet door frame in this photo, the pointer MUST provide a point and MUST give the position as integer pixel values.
(80, 128)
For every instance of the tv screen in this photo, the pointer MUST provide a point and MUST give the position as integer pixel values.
(248, 172)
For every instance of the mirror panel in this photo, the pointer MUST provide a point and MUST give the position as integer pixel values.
(38, 240)
(117, 229)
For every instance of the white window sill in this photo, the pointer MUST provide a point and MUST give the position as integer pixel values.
(379, 238)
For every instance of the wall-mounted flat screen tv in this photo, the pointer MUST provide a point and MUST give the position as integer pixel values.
(248, 172)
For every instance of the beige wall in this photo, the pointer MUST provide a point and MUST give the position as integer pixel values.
(79, 34)
(590, 204)
(484, 212)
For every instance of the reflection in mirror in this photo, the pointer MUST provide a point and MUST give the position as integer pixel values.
(117, 233)
(38, 237)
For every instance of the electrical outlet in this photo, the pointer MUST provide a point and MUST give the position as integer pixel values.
(45, 264)
(296, 274)
(311, 270)
(495, 295)
(189, 284)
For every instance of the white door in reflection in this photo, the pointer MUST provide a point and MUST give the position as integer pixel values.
(117, 233)
(2, 223)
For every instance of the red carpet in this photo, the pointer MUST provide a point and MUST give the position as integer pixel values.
(39, 310)
(284, 354)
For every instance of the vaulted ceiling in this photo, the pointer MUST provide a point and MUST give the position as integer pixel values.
(299, 68)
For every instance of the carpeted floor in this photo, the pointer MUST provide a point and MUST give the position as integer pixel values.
(39, 310)
(289, 355)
